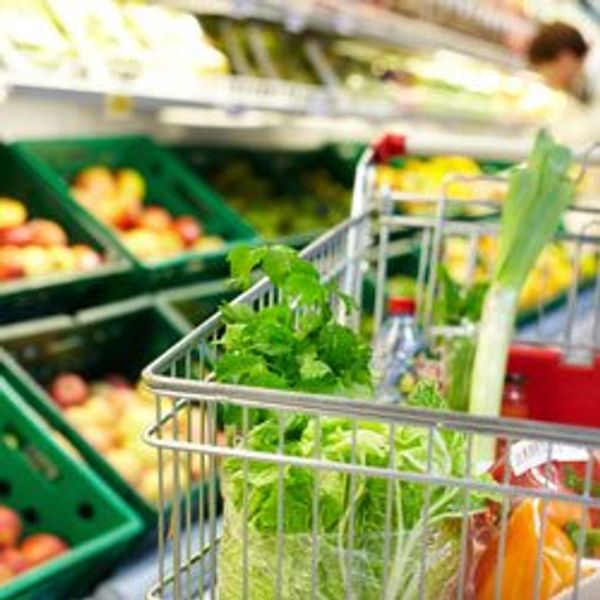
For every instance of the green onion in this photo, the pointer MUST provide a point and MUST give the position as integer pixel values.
(538, 194)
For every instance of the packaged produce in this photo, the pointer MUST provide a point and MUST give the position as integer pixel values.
(150, 232)
(35, 247)
(33, 42)
(97, 30)
(173, 42)
(535, 465)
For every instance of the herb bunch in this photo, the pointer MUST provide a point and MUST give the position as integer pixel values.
(296, 344)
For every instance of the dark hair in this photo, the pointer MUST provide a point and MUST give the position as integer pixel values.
(553, 39)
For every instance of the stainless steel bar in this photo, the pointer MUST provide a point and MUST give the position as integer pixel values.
(315, 530)
(363, 410)
(464, 528)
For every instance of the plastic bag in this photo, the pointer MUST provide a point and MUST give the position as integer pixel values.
(530, 467)
(327, 563)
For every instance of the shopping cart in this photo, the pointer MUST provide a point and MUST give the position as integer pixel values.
(203, 555)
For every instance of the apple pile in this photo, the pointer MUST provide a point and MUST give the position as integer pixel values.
(16, 555)
(148, 231)
(33, 247)
(111, 415)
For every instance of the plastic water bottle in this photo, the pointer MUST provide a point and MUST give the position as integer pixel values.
(396, 348)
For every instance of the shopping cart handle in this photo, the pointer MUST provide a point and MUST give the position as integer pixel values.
(388, 146)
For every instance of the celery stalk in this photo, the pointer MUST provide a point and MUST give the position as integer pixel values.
(537, 196)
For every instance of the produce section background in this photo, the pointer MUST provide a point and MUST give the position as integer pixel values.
(143, 141)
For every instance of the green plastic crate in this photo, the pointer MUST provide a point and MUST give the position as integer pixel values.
(169, 184)
(63, 292)
(279, 170)
(55, 493)
(117, 338)
(193, 304)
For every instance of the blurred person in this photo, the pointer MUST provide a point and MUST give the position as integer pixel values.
(558, 52)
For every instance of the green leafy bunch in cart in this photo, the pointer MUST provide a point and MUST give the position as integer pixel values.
(296, 531)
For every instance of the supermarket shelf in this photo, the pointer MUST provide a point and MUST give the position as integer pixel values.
(232, 93)
(237, 96)
(356, 19)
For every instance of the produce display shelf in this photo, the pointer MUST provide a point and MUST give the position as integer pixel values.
(32, 297)
(227, 92)
(116, 338)
(279, 174)
(356, 19)
(237, 94)
(169, 184)
(54, 493)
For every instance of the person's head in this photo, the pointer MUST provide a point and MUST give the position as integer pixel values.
(558, 52)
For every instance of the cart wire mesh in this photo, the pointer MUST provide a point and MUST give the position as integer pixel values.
(266, 520)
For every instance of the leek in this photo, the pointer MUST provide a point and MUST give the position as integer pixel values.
(538, 194)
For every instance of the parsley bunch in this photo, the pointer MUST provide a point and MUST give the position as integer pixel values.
(296, 344)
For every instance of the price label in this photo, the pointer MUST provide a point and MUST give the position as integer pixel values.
(118, 105)
(528, 454)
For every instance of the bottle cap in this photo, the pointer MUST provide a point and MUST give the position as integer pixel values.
(515, 379)
(402, 306)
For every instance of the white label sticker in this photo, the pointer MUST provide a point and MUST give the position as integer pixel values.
(528, 454)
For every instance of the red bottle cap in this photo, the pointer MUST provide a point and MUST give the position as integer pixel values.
(402, 306)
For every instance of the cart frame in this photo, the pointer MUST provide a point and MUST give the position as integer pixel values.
(182, 379)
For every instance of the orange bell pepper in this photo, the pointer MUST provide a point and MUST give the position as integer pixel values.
(524, 529)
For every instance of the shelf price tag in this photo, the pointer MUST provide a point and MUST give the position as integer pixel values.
(119, 106)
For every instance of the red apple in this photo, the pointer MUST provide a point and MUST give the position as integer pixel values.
(118, 381)
(16, 236)
(69, 389)
(156, 218)
(47, 233)
(12, 213)
(128, 217)
(14, 560)
(40, 547)
(10, 263)
(189, 230)
(6, 573)
(86, 258)
(10, 527)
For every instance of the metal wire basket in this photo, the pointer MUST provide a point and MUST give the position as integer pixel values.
(203, 554)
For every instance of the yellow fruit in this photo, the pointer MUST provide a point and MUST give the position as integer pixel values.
(101, 439)
(588, 265)
(209, 243)
(149, 487)
(97, 180)
(12, 213)
(127, 464)
(99, 411)
(62, 258)
(36, 261)
(131, 187)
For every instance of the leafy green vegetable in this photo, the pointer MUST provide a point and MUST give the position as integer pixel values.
(361, 533)
(294, 345)
(456, 303)
(348, 514)
(458, 306)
